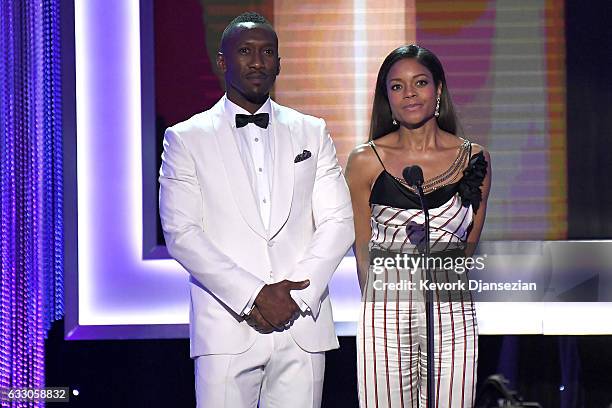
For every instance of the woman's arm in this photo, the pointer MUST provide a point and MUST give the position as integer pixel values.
(479, 217)
(359, 176)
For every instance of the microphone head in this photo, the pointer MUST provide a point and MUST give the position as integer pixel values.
(413, 175)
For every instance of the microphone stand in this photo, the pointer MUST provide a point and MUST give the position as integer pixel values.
(428, 304)
(414, 177)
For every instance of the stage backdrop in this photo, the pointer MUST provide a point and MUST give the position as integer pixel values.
(154, 66)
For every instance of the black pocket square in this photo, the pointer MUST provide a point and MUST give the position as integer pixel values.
(302, 156)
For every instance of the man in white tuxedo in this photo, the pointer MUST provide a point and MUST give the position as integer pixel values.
(255, 207)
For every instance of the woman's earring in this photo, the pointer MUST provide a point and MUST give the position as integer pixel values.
(394, 122)
(437, 112)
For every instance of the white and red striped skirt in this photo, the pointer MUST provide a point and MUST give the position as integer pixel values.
(392, 360)
(392, 334)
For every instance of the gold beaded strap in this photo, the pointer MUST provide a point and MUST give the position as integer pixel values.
(447, 176)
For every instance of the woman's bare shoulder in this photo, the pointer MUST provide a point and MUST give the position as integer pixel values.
(362, 154)
(362, 162)
(476, 148)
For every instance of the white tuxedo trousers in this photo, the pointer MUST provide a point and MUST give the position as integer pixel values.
(275, 372)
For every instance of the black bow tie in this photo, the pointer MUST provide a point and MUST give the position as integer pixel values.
(261, 120)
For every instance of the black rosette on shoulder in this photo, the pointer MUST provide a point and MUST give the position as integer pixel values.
(473, 177)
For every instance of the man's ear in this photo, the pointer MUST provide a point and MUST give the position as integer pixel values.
(221, 62)
(279, 66)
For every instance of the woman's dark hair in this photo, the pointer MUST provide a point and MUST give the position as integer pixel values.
(382, 119)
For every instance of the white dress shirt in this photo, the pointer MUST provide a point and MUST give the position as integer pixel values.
(256, 147)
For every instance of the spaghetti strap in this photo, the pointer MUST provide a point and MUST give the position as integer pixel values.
(371, 143)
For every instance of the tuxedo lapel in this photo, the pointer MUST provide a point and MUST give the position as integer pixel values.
(283, 176)
(234, 170)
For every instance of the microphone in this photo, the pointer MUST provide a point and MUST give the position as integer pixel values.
(413, 176)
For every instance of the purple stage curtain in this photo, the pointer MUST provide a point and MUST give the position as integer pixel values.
(31, 252)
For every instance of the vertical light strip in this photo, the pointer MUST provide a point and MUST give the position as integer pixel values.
(410, 21)
(554, 12)
(135, 123)
(108, 109)
(85, 175)
(379, 27)
(360, 47)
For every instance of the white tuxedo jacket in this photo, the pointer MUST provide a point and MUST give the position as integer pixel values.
(213, 228)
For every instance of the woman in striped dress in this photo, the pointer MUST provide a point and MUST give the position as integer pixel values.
(414, 123)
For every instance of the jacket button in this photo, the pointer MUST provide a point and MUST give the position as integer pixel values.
(270, 244)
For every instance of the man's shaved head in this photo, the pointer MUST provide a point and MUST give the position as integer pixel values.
(247, 19)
